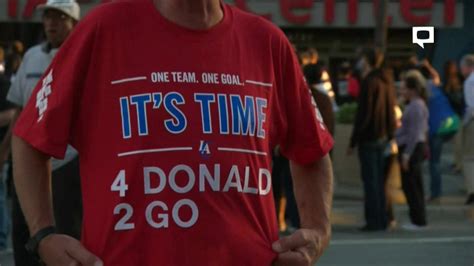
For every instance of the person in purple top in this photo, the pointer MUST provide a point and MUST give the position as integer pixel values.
(411, 139)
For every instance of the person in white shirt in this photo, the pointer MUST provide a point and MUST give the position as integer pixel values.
(467, 69)
(59, 20)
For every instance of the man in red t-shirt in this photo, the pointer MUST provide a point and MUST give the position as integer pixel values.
(174, 108)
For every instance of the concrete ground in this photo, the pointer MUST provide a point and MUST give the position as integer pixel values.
(448, 240)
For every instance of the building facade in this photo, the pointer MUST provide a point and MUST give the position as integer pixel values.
(335, 27)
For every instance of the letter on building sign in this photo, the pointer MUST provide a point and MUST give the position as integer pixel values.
(31, 6)
(449, 11)
(407, 6)
(287, 7)
(242, 4)
(376, 4)
(329, 11)
(352, 10)
(12, 8)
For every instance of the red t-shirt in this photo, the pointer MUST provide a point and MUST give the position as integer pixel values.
(175, 130)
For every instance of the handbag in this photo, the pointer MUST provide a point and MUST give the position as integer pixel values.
(449, 126)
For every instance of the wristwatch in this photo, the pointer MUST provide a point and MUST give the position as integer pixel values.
(33, 243)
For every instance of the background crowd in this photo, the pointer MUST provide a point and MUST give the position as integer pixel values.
(401, 115)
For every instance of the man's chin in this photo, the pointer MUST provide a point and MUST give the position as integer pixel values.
(51, 37)
(55, 42)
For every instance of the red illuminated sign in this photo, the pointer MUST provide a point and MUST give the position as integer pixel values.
(288, 7)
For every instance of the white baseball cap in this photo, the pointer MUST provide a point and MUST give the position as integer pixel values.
(68, 7)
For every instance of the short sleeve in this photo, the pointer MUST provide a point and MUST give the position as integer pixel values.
(47, 119)
(15, 93)
(469, 91)
(304, 137)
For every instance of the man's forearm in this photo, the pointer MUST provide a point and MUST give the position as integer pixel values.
(313, 186)
(32, 177)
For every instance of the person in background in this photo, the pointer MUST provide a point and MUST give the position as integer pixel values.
(467, 69)
(429, 72)
(304, 57)
(453, 89)
(443, 125)
(13, 60)
(313, 56)
(347, 86)
(307, 56)
(6, 116)
(374, 127)
(391, 151)
(322, 80)
(12, 65)
(17, 47)
(354, 87)
(287, 211)
(323, 101)
(59, 20)
(411, 139)
(412, 62)
(391, 165)
(2, 60)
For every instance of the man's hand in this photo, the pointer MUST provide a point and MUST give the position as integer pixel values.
(301, 248)
(312, 184)
(425, 63)
(63, 250)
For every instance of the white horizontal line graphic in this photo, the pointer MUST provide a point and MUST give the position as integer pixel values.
(127, 80)
(242, 151)
(123, 154)
(259, 83)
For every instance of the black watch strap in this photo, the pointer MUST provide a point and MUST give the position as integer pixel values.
(33, 243)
